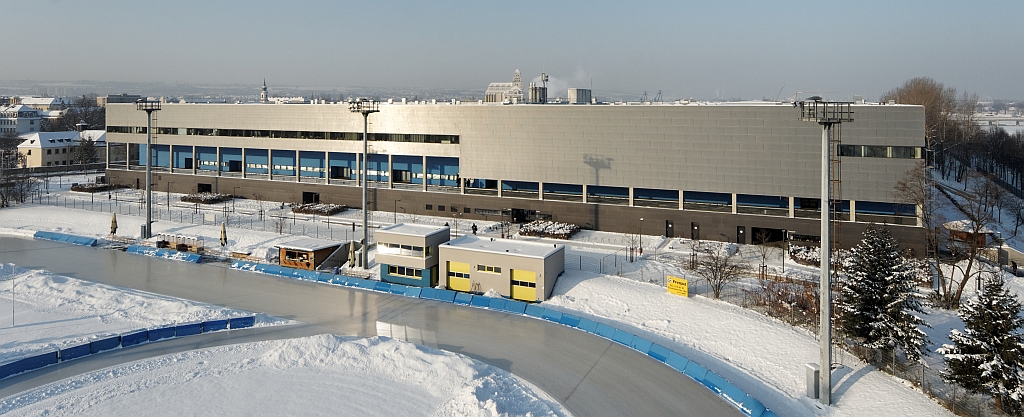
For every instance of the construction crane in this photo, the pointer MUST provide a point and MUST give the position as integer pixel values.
(643, 98)
(657, 99)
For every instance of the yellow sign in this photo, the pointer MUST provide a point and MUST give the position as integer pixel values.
(678, 286)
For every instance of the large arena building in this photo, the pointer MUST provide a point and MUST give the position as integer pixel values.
(717, 171)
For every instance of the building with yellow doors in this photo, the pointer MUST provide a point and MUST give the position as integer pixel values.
(516, 269)
(408, 255)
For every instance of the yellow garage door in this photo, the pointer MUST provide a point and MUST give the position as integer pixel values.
(458, 276)
(524, 285)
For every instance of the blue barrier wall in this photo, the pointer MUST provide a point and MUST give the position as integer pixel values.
(121, 341)
(61, 237)
(164, 253)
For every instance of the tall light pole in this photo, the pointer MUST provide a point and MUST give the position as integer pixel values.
(396, 210)
(365, 107)
(827, 115)
(149, 107)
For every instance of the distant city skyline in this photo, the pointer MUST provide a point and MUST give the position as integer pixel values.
(703, 50)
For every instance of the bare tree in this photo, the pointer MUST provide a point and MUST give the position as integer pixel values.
(720, 268)
(977, 205)
(764, 248)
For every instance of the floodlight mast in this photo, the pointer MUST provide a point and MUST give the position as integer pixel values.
(365, 107)
(825, 114)
(149, 107)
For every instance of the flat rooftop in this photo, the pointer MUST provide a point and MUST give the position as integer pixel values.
(409, 229)
(511, 246)
(307, 244)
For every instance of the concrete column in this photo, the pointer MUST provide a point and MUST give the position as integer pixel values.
(853, 211)
(170, 158)
(270, 164)
(106, 151)
(424, 173)
(792, 207)
(298, 166)
(243, 162)
(681, 201)
(584, 193)
(733, 203)
(218, 161)
(391, 171)
(540, 190)
(195, 161)
(631, 196)
(499, 188)
(920, 215)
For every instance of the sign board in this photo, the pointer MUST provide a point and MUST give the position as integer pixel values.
(678, 286)
(210, 217)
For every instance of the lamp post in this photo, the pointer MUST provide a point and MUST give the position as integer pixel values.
(234, 193)
(149, 107)
(396, 210)
(365, 107)
(169, 196)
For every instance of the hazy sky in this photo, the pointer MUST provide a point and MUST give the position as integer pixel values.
(705, 49)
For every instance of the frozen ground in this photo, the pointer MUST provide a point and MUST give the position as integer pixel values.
(761, 355)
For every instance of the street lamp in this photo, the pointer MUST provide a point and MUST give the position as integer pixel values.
(169, 196)
(365, 107)
(234, 194)
(396, 210)
(149, 107)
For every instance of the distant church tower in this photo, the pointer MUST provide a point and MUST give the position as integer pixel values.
(264, 98)
(517, 80)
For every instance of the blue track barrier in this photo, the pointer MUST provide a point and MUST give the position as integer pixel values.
(695, 371)
(75, 352)
(480, 301)
(605, 331)
(535, 311)
(29, 364)
(463, 298)
(61, 237)
(517, 307)
(640, 344)
(164, 253)
(446, 296)
(398, 289)
(552, 315)
(622, 337)
(134, 338)
(677, 362)
(214, 325)
(381, 286)
(659, 352)
(189, 329)
(161, 333)
(569, 320)
(428, 293)
(242, 322)
(97, 346)
(324, 277)
(588, 325)
(413, 292)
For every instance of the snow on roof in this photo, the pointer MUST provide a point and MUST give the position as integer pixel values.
(493, 245)
(409, 229)
(307, 244)
(965, 226)
(18, 108)
(59, 139)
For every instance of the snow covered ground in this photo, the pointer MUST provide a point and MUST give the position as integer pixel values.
(760, 355)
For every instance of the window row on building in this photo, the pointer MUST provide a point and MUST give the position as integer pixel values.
(290, 134)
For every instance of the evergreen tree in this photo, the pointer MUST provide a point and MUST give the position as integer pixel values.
(879, 299)
(986, 357)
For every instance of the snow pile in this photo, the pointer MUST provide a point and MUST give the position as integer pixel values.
(52, 311)
(549, 229)
(206, 198)
(322, 209)
(319, 375)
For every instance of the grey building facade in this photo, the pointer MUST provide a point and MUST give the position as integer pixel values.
(721, 172)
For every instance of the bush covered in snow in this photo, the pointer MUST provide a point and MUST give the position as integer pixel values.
(805, 255)
(322, 209)
(92, 188)
(205, 198)
(544, 228)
